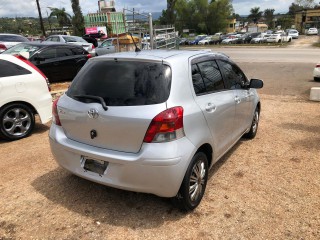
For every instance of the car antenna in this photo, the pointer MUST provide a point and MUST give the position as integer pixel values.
(137, 49)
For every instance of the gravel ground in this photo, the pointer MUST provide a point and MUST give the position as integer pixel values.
(266, 188)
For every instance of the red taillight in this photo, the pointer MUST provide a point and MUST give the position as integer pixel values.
(3, 47)
(166, 126)
(55, 115)
(318, 65)
(93, 47)
(35, 68)
(89, 56)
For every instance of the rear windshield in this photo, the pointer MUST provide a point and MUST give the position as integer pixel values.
(13, 38)
(123, 83)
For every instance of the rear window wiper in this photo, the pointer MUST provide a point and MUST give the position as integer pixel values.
(100, 99)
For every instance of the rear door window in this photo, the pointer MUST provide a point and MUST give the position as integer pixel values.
(64, 52)
(206, 77)
(123, 83)
(48, 54)
(10, 69)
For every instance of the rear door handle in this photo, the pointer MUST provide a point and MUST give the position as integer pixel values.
(210, 107)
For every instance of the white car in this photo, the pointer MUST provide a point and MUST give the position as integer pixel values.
(107, 46)
(293, 33)
(278, 38)
(312, 31)
(205, 41)
(316, 72)
(89, 47)
(9, 40)
(24, 92)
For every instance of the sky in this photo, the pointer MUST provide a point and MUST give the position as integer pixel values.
(28, 8)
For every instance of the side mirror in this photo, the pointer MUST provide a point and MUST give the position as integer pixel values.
(256, 83)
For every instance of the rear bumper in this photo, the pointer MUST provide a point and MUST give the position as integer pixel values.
(158, 168)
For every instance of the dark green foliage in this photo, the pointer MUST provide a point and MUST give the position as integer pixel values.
(77, 19)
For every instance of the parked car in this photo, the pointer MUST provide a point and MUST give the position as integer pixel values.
(24, 93)
(107, 46)
(247, 37)
(312, 31)
(230, 40)
(262, 38)
(278, 38)
(9, 40)
(92, 40)
(183, 41)
(57, 61)
(293, 33)
(316, 72)
(205, 41)
(75, 40)
(216, 38)
(141, 122)
(197, 39)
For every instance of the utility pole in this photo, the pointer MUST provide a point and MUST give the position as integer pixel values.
(40, 17)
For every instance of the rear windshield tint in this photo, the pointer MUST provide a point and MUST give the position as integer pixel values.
(123, 83)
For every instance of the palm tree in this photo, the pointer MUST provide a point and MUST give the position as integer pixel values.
(63, 17)
(255, 14)
(77, 19)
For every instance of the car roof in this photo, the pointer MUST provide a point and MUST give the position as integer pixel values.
(161, 54)
(10, 34)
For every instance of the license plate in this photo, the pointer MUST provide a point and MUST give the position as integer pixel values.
(94, 165)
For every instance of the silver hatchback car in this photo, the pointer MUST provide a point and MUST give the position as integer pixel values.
(154, 121)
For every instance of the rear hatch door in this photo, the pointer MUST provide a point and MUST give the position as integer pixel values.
(111, 103)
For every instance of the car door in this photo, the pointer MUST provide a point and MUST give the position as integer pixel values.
(216, 103)
(67, 62)
(46, 60)
(236, 81)
(106, 47)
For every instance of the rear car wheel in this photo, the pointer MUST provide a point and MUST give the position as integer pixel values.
(194, 183)
(316, 78)
(254, 125)
(16, 121)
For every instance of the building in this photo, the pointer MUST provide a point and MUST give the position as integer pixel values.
(107, 17)
(307, 18)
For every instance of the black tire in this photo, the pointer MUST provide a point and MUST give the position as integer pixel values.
(279, 41)
(289, 40)
(16, 121)
(196, 178)
(316, 79)
(254, 125)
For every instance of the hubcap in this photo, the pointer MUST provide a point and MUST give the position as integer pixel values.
(197, 180)
(16, 122)
(255, 121)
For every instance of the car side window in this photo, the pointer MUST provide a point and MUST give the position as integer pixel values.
(197, 80)
(77, 51)
(48, 54)
(64, 52)
(9, 69)
(234, 77)
(206, 77)
(211, 76)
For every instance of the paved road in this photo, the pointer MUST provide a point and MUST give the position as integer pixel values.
(273, 55)
(285, 71)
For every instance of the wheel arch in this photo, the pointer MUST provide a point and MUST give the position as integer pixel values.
(33, 109)
(208, 151)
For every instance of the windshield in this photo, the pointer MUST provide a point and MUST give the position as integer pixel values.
(123, 83)
(22, 48)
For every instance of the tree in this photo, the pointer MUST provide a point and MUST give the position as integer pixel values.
(77, 19)
(294, 8)
(305, 3)
(268, 14)
(170, 13)
(62, 16)
(255, 14)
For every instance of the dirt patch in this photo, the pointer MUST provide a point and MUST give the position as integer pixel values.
(304, 41)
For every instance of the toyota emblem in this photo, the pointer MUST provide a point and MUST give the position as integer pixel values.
(93, 113)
